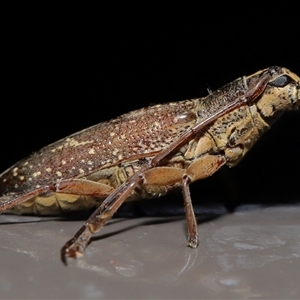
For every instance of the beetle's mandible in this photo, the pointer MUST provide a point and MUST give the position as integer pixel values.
(147, 153)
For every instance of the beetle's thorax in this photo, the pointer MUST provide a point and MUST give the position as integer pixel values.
(237, 131)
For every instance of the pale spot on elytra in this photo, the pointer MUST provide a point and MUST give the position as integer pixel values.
(35, 174)
(75, 143)
(81, 171)
(58, 173)
(48, 170)
(91, 151)
(22, 178)
(15, 172)
(63, 162)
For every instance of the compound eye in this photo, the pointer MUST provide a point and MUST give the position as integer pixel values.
(281, 81)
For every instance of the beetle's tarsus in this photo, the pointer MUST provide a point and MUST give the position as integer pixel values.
(73, 251)
(193, 243)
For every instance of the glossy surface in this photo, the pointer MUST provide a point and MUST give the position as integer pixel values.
(252, 253)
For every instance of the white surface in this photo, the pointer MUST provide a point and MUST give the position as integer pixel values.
(252, 253)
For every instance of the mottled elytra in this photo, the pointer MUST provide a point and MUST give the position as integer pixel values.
(147, 153)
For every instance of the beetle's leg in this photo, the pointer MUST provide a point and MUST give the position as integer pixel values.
(192, 239)
(168, 176)
(71, 186)
(10, 200)
(83, 187)
(75, 247)
(257, 87)
(201, 168)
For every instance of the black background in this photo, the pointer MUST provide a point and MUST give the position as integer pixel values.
(70, 66)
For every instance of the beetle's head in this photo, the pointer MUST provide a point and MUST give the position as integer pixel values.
(282, 93)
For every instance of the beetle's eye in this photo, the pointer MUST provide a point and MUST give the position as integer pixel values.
(281, 81)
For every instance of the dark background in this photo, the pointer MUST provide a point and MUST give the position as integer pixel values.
(67, 67)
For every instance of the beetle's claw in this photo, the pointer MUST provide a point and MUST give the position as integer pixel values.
(71, 251)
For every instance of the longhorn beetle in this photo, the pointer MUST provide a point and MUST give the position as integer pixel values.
(147, 153)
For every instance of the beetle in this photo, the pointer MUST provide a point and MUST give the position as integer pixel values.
(147, 153)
